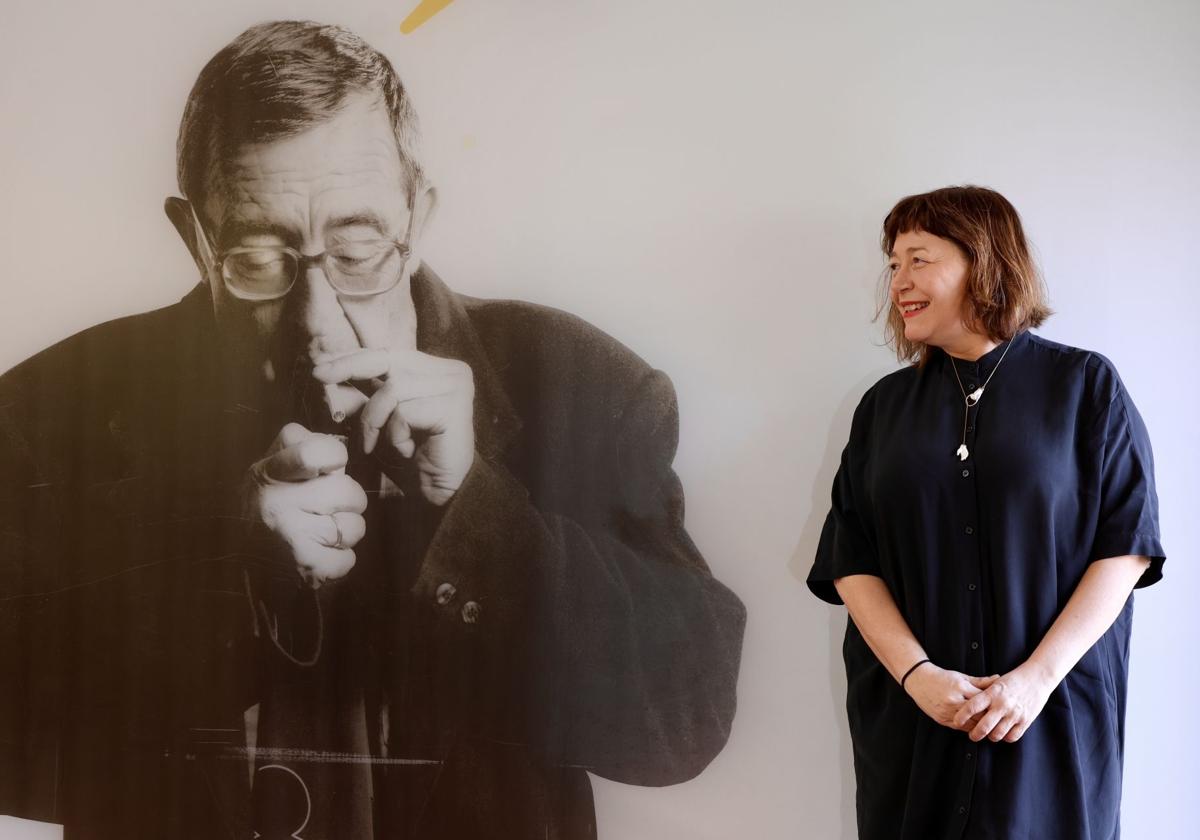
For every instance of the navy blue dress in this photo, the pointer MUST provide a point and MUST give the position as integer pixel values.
(981, 556)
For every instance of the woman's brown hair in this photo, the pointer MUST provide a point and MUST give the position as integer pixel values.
(1005, 293)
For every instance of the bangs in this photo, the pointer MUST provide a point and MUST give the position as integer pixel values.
(917, 212)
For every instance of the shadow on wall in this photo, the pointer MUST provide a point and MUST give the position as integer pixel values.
(798, 566)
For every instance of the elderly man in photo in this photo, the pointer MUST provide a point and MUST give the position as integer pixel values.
(326, 550)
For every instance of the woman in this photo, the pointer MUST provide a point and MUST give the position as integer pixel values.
(993, 510)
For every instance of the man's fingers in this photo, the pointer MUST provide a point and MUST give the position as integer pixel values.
(289, 435)
(318, 563)
(329, 494)
(306, 459)
(373, 364)
(417, 403)
(308, 537)
(339, 530)
(368, 363)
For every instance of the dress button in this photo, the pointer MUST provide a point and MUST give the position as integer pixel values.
(966, 473)
(968, 756)
(970, 530)
(971, 428)
(974, 645)
(961, 809)
(471, 611)
(445, 594)
(971, 586)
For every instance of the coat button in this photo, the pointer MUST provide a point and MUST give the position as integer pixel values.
(446, 593)
(471, 611)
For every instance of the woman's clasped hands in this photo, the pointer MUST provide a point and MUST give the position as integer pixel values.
(997, 707)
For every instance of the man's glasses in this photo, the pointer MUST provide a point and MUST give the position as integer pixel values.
(360, 268)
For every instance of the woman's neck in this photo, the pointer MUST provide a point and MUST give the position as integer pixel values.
(970, 347)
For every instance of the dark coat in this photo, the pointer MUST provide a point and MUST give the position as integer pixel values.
(153, 659)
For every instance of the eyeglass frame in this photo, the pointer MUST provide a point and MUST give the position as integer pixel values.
(217, 259)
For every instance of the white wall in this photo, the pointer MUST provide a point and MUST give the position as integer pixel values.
(705, 180)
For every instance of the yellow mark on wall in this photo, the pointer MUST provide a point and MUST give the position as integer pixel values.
(424, 11)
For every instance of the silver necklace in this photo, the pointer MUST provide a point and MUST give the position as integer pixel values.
(973, 399)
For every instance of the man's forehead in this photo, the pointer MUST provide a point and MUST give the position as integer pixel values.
(354, 151)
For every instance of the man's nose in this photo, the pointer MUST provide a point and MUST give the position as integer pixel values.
(315, 303)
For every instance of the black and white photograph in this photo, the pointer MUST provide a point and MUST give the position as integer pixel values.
(526, 419)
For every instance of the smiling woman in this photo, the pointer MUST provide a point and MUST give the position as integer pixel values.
(989, 586)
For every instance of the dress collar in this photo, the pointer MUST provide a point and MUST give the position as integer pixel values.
(980, 369)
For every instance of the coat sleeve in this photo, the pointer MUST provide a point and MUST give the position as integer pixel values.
(847, 544)
(597, 637)
(1128, 508)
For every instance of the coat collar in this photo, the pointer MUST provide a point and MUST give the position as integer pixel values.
(444, 329)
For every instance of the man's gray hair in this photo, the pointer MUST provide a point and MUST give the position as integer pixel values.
(275, 80)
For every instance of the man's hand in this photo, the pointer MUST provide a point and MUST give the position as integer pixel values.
(940, 693)
(1007, 708)
(420, 414)
(299, 493)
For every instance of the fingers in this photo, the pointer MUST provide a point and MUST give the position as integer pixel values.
(1000, 731)
(327, 495)
(1017, 731)
(982, 682)
(318, 564)
(376, 363)
(973, 707)
(986, 724)
(313, 541)
(340, 530)
(303, 459)
(419, 402)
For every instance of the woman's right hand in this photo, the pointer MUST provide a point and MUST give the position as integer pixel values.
(939, 693)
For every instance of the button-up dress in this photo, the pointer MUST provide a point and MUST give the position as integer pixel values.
(981, 555)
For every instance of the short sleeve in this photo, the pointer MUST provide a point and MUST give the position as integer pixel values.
(1128, 512)
(847, 545)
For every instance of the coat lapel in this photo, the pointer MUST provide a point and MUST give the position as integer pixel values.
(444, 329)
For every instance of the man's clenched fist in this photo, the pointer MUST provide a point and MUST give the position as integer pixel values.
(300, 494)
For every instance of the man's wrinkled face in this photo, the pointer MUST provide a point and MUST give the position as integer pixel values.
(338, 182)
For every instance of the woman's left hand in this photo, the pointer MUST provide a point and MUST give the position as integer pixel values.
(1008, 706)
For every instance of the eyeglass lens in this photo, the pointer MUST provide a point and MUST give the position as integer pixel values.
(358, 268)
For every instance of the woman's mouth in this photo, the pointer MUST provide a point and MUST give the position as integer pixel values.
(913, 308)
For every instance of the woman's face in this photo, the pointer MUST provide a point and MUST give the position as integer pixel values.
(928, 288)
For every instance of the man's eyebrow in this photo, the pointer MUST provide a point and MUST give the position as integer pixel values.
(363, 218)
(236, 228)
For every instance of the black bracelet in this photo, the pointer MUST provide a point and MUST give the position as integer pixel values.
(908, 673)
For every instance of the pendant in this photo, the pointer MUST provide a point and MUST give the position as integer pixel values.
(974, 396)
(962, 452)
